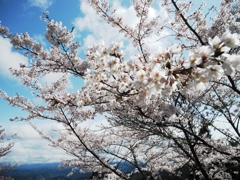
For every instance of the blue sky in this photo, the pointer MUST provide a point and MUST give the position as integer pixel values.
(23, 16)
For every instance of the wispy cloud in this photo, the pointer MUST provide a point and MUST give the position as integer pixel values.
(43, 4)
(9, 58)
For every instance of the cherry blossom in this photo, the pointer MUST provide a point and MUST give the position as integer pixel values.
(162, 107)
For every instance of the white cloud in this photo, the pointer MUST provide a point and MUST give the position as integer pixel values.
(43, 4)
(53, 77)
(99, 30)
(30, 147)
(97, 123)
(34, 151)
(128, 14)
(221, 123)
(40, 39)
(8, 58)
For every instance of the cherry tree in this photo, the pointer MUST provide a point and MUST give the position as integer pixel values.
(164, 108)
(4, 150)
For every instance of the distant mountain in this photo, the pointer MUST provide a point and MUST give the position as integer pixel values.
(38, 165)
(48, 171)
